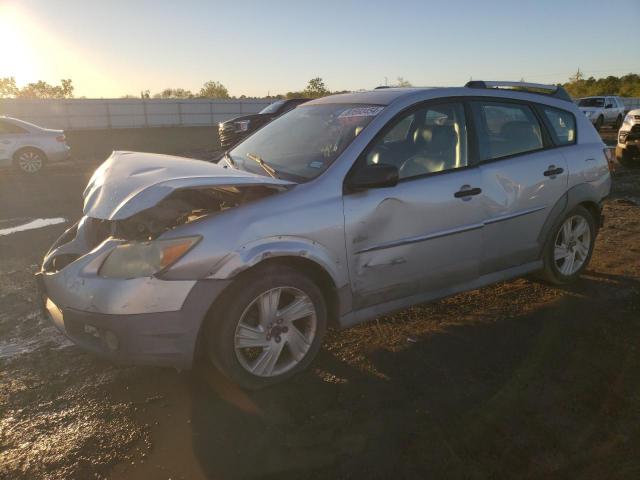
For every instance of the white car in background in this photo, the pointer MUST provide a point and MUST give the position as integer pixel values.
(628, 147)
(603, 110)
(29, 147)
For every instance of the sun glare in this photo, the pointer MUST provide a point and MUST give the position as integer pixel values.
(18, 59)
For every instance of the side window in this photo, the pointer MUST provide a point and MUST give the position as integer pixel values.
(563, 125)
(400, 132)
(506, 129)
(9, 128)
(429, 140)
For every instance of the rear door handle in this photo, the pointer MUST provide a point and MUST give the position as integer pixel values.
(467, 191)
(552, 171)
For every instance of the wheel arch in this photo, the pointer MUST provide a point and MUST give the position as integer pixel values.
(29, 147)
(318, 274)
(585, 195)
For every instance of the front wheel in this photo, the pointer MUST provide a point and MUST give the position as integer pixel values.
(269, 327)
(599, 123)
(569, 248)
(618, 122)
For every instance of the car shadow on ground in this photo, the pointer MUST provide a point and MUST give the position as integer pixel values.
(537, 394)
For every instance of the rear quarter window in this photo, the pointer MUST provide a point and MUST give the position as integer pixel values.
(563, 125)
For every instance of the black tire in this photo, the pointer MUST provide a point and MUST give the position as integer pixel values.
(599, 123)
(29, 160)
(618, 122)
(220, 329)
(551, 272)
(626, 160)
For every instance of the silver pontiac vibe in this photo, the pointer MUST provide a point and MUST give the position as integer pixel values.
(346, 208)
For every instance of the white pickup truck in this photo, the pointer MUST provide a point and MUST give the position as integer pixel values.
(603, 110)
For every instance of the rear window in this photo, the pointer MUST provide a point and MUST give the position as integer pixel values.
(506, 129)
(592, 102)
(563, 125)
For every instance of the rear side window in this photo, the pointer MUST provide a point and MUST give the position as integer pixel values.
(6, 127)
(506, 129)
(563, 125)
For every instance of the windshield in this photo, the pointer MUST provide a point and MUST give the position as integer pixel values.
(302, 143)
(592, 102)
(272, 108)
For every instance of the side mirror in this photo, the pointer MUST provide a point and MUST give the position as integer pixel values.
(373, 176)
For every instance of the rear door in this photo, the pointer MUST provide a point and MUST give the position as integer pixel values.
(522, 179)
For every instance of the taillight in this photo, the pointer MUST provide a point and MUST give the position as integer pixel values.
(610, 156)
(61, 138)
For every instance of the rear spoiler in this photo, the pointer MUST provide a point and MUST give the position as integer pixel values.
(555, 91)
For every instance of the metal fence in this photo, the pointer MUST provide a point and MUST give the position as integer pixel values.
(79, 113)
(76, 114)
(631, 103)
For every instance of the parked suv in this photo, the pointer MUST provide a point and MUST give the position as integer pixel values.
(344, 209)
(606, 110)
(29, 147)
(233, 131)
(628, 147)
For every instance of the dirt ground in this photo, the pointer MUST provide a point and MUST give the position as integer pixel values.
(517, 380)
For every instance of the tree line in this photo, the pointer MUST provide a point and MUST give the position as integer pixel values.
(212, 89)
(577, 86)
(625, 86)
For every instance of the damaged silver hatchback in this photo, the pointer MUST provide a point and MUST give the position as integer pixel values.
(346, 208)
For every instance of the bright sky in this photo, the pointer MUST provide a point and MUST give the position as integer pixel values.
(114, 47)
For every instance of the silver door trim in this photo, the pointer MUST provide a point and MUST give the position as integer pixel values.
(422, 238)
(451, 231)
(509, 216)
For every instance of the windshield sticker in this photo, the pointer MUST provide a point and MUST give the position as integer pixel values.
(316, 164)
(361, 112)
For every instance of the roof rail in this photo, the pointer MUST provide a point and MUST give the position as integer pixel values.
(539, 88)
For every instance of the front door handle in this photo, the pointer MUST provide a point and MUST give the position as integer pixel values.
(552, 171)
(467, 191)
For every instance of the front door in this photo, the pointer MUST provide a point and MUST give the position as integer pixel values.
(425, 234)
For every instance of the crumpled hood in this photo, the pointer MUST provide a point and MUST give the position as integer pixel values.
(130, 182)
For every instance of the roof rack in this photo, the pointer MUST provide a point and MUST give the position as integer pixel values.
(539, 88)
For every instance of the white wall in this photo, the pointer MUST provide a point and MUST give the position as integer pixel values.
(126, 113)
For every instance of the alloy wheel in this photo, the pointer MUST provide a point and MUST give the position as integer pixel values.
(30, 162)
(572, 246)
(275, 331)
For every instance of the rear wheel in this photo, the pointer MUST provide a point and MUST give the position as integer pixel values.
(569, 247)
(29, 160)
(627, 160)
(269, 327)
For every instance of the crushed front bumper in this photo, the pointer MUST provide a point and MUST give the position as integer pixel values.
(159, 338)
